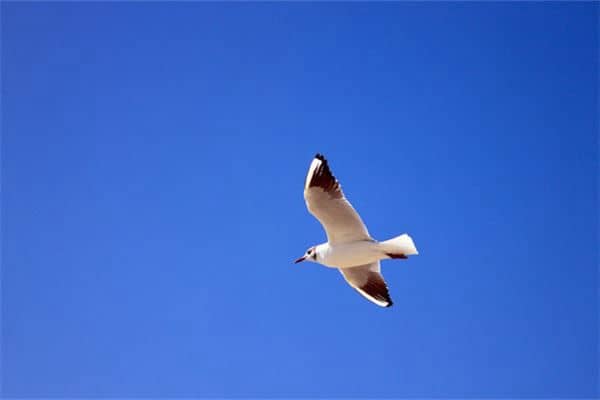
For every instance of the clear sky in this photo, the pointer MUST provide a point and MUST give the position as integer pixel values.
(153, 157)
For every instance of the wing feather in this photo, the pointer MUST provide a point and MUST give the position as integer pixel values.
(369, 282)
(326, 201)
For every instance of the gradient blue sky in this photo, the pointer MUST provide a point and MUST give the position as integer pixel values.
(153, 157)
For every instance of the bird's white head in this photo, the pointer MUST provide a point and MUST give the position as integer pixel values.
(310, 255)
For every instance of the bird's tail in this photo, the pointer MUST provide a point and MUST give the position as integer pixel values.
(399, 247)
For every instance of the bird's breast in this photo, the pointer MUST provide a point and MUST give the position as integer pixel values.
(351, 254)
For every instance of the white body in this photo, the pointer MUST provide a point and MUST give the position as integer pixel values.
(353, 254)
(346, 255)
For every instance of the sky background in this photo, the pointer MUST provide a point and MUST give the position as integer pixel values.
(153, 160)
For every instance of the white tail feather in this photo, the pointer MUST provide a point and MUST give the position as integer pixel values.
(402, 244)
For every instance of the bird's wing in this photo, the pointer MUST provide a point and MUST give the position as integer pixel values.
(368, 281)
(326, 201)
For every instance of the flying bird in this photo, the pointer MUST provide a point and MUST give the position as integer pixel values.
(349, 248)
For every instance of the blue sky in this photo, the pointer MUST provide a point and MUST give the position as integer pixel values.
(153, 157)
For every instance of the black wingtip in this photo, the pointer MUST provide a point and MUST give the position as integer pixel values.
(320, 156)
(391, 303)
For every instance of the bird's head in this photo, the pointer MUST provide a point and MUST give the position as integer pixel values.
(310, 255)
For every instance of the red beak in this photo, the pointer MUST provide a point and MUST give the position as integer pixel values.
(300, 259)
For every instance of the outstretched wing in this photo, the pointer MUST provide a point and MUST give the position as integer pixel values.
(326, 201)
(368, 281)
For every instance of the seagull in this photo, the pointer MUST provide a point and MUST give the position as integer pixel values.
(349, 246)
